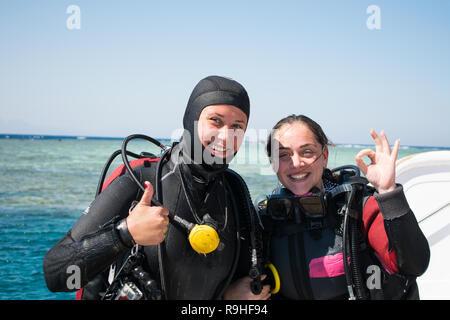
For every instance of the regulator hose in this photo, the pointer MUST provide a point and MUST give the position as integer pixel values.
(355, 262)
(355, 283)
(345, 250)
(108, 164)
(124, 153)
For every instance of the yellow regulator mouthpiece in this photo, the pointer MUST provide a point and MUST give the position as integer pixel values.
(276, 277)
(203, 238)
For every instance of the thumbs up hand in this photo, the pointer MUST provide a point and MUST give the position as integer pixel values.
(148, 224)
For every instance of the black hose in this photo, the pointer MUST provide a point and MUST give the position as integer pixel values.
(158, 187)
(355, 283)
(355, 262)
(158, 190)
(254, 273)
(162, 245)
(124, 153)
(107, 165)
(345, 250)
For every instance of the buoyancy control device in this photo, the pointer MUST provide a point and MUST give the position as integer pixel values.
(308, 239)
(131, 281)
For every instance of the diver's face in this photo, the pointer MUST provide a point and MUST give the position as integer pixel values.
(300, 158)
(221, 129)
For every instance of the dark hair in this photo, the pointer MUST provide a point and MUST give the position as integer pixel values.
(311, 124)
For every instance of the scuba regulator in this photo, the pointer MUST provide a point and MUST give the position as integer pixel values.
(202, 237)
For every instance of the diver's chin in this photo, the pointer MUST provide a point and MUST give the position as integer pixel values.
(299, 188)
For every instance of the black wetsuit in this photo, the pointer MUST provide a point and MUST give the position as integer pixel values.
(93, 244)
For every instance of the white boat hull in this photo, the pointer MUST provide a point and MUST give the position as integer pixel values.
(426, 181)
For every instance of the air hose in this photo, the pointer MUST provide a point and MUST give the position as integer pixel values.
(353, 274)
(355, 283)
(108, 164)
(124, 153)
(355, 262)
(345, 249)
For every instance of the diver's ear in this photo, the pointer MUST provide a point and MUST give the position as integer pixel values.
(325, 156)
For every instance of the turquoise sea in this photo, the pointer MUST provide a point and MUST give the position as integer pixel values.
(45, 184)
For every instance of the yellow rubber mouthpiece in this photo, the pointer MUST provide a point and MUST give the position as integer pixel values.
(276, 278)
(203, 238)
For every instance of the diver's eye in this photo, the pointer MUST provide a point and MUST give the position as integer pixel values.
(283, 155)
(215, 121)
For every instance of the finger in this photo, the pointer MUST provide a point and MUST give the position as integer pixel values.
(376, 139)
(361, 165)
(385, 142)
(360, 162)
(395, 150)
(367, 152)
(265, 294)
(165, 213)
(148, 194)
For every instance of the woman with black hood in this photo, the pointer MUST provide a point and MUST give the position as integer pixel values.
(196, 189)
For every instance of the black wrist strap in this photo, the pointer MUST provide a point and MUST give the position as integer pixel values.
(125, 234)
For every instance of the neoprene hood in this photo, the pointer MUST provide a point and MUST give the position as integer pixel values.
(215, 90)
(212, 90)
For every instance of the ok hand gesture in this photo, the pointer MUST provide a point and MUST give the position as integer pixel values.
(381, 171)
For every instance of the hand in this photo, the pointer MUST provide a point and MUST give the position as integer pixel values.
(148, 224)
(240, 290)
(381, 171)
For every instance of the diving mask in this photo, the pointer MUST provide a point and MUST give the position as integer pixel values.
(311, 205)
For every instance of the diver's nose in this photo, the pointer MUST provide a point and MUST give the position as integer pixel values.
(297, 161)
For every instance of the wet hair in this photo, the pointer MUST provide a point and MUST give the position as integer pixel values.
(311, 124)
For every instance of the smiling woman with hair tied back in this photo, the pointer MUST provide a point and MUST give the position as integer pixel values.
(328, 233)
(192, 233)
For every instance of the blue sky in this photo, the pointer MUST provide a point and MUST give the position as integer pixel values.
(132, 64)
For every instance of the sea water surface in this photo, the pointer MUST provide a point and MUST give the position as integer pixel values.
(45, 185)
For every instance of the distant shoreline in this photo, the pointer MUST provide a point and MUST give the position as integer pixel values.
(57, 137)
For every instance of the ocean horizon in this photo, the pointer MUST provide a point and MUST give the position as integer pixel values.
(83, 137)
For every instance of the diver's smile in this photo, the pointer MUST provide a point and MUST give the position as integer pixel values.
(298, 177)
(219, 149)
